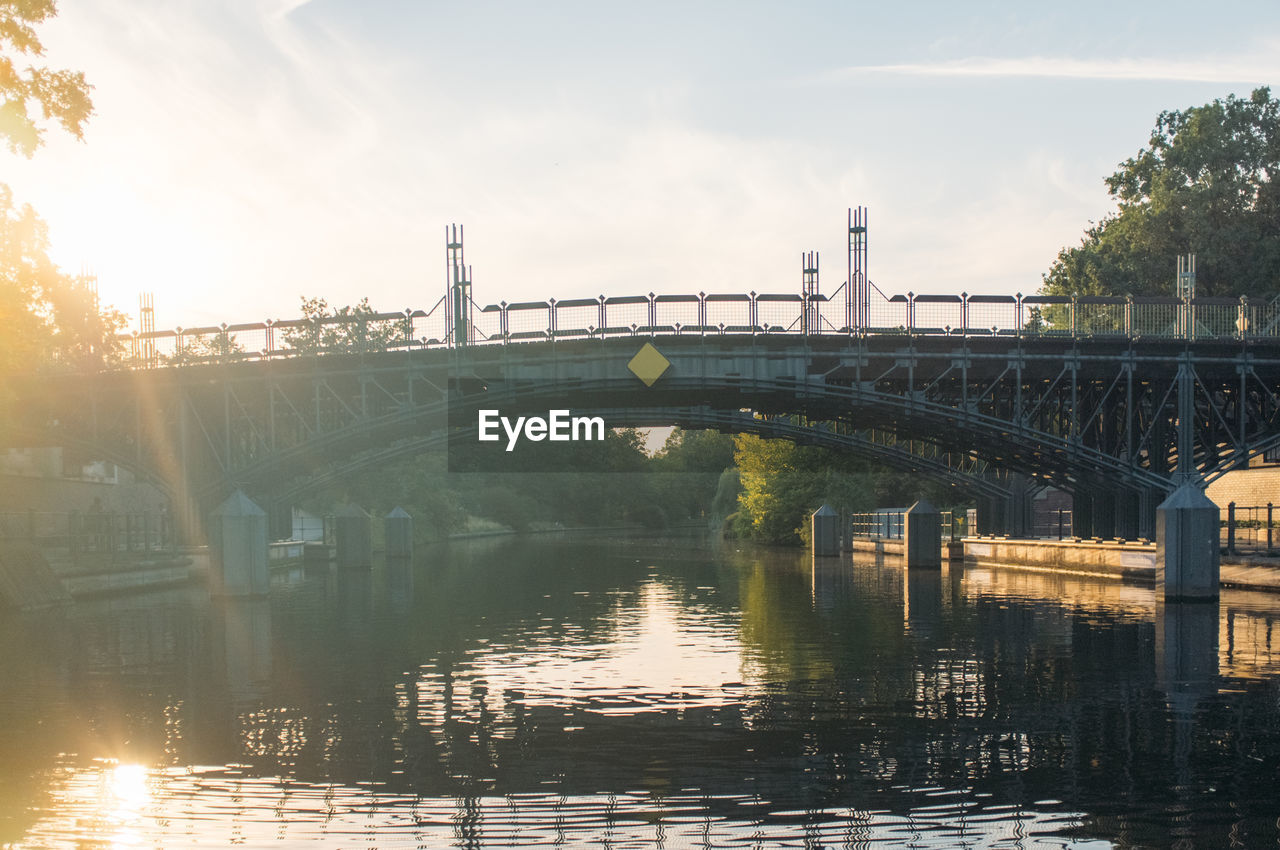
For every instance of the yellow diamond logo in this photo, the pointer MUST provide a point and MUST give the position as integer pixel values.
(648, 364)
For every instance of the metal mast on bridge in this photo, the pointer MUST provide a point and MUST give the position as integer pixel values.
(856, 293)
(147, 328)
(809, 323)
(458, 326)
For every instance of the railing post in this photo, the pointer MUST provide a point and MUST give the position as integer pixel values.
(502, 321)
(551, 317)
(1128, 316)
(73, 542)
(1231, 528)
(653, 314)
(702, 312)
(753, 313)
(1268, 527)
(964, 314)
(604, 317)
(1073, 316)
(911, 313)
(1242, 321)
(1059, 523)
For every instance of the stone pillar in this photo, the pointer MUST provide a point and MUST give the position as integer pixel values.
(1187, 540)
(1127, 515)
(399, 533)
(991, 516)
(238, 548)
(1081, 514)
(1148, 500)
(353, 532)
(1104, 514)
(1018, 506)
(825, 526)
(922, 539)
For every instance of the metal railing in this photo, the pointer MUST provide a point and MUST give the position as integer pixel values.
(1250, 528)
(704, 314)
(1054, 525)
(890, 524)
(114, 535)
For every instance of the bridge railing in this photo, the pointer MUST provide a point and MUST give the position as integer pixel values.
(891, 524)
(1022, 316)
(107, 534)
(1249, 529)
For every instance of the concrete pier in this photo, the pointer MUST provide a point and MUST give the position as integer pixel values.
(922, 537)
(353, 533)
(238, 548)
(1188, 562)
(825, 525)
(398, 527)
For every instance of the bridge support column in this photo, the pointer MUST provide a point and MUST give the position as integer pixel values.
(1081, 514)
(1187, 540)
(1017, 510)
(1148, 500)
(825, 528)
(1127, 514)
(353, 533)
(991, 516)
(1104, 514)
(922, 537)
(280, 521)
(238, 548)
(399, 533)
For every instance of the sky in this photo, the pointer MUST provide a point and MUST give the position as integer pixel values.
(244, 154)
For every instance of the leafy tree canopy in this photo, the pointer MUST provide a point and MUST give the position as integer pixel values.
(49, 317)
(359, 329)
(1206, 184)
(31, 95)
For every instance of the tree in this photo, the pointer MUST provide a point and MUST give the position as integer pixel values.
(359, 329)
(219, 348)
(60, 96)
(50, 318)
(1207, 184)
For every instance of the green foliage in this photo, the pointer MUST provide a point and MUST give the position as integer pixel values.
(29, 95)
(1205, 185)
(783, 483)
(358, 329)
(767, 496)
(220, 348)
(724, 504)
(696, 451)
(51, 319)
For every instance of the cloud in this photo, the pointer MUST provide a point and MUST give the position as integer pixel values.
(1198, 70)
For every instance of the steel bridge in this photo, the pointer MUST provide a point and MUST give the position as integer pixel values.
(1107, 398)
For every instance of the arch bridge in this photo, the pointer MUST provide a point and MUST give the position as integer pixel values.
(1107, 398)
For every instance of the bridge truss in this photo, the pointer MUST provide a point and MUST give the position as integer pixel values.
(1107, 398)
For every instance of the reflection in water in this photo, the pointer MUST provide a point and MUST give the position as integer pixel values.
(922, 601)
(635, 692)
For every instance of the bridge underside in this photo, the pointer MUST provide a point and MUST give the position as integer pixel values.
(1109, 420)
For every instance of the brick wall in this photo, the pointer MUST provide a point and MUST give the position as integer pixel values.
(1247, 487)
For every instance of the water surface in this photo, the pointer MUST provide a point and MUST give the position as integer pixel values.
(641, 692)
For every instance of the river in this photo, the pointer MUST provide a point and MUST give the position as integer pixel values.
(639, 692)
